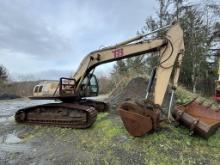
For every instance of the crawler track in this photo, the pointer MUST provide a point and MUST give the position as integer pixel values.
(98, 105)
(70, 115)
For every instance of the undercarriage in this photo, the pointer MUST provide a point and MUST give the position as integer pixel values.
(70, 115)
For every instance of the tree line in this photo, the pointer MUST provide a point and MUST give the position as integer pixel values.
(201, 25)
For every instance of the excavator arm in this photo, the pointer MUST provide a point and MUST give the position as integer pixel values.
(171, 48)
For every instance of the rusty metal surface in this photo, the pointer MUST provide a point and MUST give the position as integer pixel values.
(137, 119)
(58, 114)
(200, 119)
(136, 125)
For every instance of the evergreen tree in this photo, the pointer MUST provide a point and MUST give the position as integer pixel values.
(3, 74)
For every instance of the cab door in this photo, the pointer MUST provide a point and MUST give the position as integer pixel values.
(93, 86)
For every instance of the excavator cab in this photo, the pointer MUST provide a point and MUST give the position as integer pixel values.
(89, 86)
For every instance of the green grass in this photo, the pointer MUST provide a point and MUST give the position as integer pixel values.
(107, 142)
(184, 96)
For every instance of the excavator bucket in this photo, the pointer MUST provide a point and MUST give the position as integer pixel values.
(139, 118)
(200, 119)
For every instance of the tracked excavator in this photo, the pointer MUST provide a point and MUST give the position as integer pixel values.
(75, 110)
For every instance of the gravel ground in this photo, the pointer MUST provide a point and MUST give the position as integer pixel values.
(106, 142)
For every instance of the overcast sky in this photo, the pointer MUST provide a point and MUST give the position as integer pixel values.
(40, 35)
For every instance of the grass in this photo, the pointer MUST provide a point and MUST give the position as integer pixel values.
(107, 142)
(184, 96)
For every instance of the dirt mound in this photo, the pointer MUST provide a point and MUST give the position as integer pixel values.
(135, 89)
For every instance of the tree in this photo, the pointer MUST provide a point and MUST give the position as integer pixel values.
(164, 14)
(120, 67)
(199, 21)
(3, 74)
(196, 70)
(196, 38)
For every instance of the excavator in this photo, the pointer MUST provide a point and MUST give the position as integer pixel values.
(75, 110)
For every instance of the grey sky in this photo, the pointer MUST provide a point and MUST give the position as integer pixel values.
(38, 35)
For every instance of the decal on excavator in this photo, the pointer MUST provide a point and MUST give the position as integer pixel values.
(118, 53)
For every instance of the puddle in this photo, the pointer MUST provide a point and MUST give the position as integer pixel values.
(3, 119)
(14, 148)
(12, 139)
(7, 120)
(9, 143)
(11, 118)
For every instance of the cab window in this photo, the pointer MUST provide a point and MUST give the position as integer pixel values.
(36, 89)
(40, 88)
